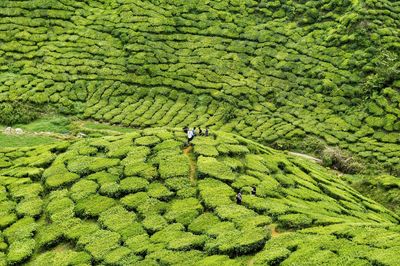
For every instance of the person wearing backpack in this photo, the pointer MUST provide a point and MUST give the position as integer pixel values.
(239, 198)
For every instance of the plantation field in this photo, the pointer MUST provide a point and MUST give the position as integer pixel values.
(127, 199)
(278, 72)
(101, 90)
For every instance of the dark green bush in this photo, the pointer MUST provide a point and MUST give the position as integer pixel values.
(12, 113)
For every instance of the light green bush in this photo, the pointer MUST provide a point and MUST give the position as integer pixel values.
(233, 212)
(65, 257)
(31, 207)
(209, 166)
(139, 244)
(85, 164)
(236, 242)
(218, 260)
(93, 206)
(232, 149)
(25, 191)
(152, 206)
(111, 190)
(7, 219)
(295, 220)
(188, 241)
(120, 256)
(205, 150)
(215, 193)
(60, 208)
(61, 180)
(132, 201)
(174, 166)
(159, 191)
(82, 189)
(116, 218)
(245, 180)
(154, 222)
(100, 243)
(271, 256)
(147, 141)
(20, 250)
(169, 233)
(141, 169)
(203, 222)
(49, 235)
(183, 211)
(133, 184)
(257, 163)
(103, 177)
(79, 228)
(22, 229)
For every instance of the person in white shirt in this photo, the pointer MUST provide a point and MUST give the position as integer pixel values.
(190, 136)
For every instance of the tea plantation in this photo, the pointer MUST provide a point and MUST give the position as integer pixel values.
(108, 180)
(272, 71)
(138, 199)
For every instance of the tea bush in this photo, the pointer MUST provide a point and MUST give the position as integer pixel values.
(15, 112)
(209, 166)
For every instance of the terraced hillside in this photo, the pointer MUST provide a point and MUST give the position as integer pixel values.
(272, 71)
(134, 199)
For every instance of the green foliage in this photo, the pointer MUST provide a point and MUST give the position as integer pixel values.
(20, 251)
(209, 166)
(63, 257)
(103, 216)
(183, 211)
(203, 222)
(215, 193)
(82, 189)
(30, 207)
(174, 166)
(133, 184)
(295, 220)
(154, 222)
(147, 141)
(100, 243)
(86, 164)
(17, 113)
(159, 191)
(93, 205)
(49, 235)
(60, 180)
(206, 150)
(238, 242)
(20, 230)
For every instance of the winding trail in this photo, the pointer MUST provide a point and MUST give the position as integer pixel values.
(192, 172)
(305, 156)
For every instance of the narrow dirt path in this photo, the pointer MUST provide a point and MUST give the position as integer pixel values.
(274, 233)
(192, 173)
(305, 156)
(251, 262)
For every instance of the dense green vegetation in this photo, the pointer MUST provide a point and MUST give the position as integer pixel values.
(127, 200)
(272, 71)
(319, 77)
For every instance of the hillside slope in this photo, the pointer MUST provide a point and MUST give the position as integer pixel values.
(272, 71)
(135, 199)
